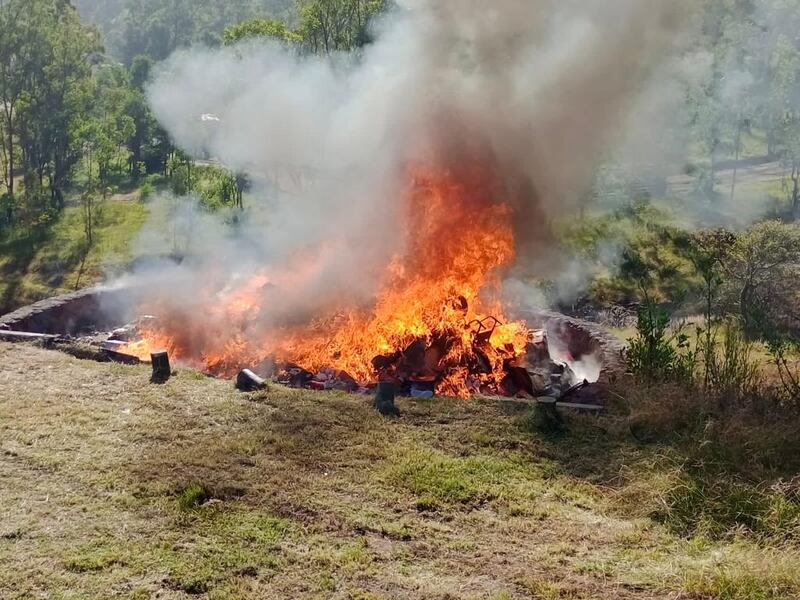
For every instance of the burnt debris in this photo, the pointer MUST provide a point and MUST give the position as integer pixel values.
(420, 371)
(161, 367)
(247, 381)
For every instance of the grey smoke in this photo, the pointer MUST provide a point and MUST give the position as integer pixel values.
(537, 89)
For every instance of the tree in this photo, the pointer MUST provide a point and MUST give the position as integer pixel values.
(66, 96)
(329, 26)
(259, 28)
(785, 109)
(45, 75)
(110, 125)
(762, 268)
(20, 48)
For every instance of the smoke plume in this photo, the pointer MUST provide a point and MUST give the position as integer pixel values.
(530, 90)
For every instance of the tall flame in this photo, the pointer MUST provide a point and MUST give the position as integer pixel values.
(443, 287)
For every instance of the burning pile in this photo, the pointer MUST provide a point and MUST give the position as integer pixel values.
(436, 324)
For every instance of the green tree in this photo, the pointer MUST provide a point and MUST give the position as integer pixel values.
(20, 50)
(259, 28)
(110, 126)
(44, 83)
(328, 26)
(762, 273)
(784, 110)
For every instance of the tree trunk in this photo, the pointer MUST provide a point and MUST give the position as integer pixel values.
(736, 160)
(746, 308)
(10, 156)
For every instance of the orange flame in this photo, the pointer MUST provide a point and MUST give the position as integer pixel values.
(440, 288)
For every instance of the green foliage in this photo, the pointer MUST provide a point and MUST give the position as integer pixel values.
(45, 83)
(156, 28)
(785, 353)
(732, 374)
(651, 245)
(655, 354)
(715, 506)
(259, 28)
(328, 26)
(104, 136)
(192, 497)
(763, 268)
(218, 187)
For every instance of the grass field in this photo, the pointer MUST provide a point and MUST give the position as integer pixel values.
(56, 259)
(113, 487)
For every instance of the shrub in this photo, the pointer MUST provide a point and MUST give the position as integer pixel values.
(785, 353)
(654, 354)
(147, 190)
(192, 497)
(731, 373)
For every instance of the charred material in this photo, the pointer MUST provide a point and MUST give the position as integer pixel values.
(161, 367)
(384, 399)
(247, 381)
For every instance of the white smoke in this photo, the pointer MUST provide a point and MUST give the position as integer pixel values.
(535, 88)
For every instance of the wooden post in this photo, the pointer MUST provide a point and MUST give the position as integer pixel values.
(161, 369)
(384, 399)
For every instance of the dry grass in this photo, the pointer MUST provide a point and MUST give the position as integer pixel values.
(113, 487)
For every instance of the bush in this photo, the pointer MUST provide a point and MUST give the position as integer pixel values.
(655, 355)
(731, 374)
(147, 190)
(785, 353)
(192, 497)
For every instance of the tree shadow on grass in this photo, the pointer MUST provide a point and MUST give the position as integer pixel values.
(18, 253)
(53, 260)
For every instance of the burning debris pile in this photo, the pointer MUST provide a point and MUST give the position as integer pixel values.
(392, 192)
(421, 370)
(436, 325)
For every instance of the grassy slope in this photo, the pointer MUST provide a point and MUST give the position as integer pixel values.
(112, 487)
(56, 261)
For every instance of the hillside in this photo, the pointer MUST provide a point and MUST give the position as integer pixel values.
(117, 488)
(56, 259)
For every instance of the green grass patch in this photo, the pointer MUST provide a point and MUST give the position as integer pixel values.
(94, 557)
(220, 544)
(739, 584)
(56, 258)
(720, 506)
(438, 480)
(192, 497)
(545, 589)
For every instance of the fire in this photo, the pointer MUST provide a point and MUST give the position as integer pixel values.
(438, 300)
